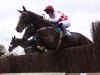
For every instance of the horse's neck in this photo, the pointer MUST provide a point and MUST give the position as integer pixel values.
(18, 42)
(23, 43)
(28, 32)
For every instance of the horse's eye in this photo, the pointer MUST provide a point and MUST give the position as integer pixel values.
(21, 17)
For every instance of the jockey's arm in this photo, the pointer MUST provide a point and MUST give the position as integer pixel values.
(56, 19)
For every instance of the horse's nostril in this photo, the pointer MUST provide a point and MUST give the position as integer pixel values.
(18, 30)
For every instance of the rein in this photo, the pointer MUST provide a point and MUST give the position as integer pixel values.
(43, 28)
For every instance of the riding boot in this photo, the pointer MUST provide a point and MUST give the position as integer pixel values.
(63, 29)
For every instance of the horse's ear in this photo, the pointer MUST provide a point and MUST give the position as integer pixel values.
(14, 37)
(24, 9)
(19, 11)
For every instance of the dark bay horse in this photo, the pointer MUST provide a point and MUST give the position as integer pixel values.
(47, 32)
(29, 46)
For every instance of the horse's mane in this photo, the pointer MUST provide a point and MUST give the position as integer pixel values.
(41, 18)
(31, 14)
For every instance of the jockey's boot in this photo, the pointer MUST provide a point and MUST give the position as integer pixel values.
(63, 29)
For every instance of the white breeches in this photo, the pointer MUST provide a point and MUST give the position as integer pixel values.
(65, 23)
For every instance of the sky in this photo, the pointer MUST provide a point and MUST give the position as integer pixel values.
(81, 13)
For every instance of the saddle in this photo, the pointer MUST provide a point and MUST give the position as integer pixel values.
(58, 30)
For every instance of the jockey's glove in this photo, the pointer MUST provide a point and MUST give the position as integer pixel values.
(46, 19)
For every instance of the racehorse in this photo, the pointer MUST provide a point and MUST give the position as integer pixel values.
(29, 46)
(47, 33)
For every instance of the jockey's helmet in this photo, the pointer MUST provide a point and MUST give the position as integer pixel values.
(49, 8)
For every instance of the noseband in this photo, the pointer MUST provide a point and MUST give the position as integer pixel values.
(43, 28)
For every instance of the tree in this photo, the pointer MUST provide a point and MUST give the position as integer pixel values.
(2, 48)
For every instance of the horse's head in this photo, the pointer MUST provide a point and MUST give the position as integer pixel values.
(26, 18)
(13, 43)
(23, 20)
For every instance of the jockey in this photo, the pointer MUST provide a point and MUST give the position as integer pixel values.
(57, 17)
